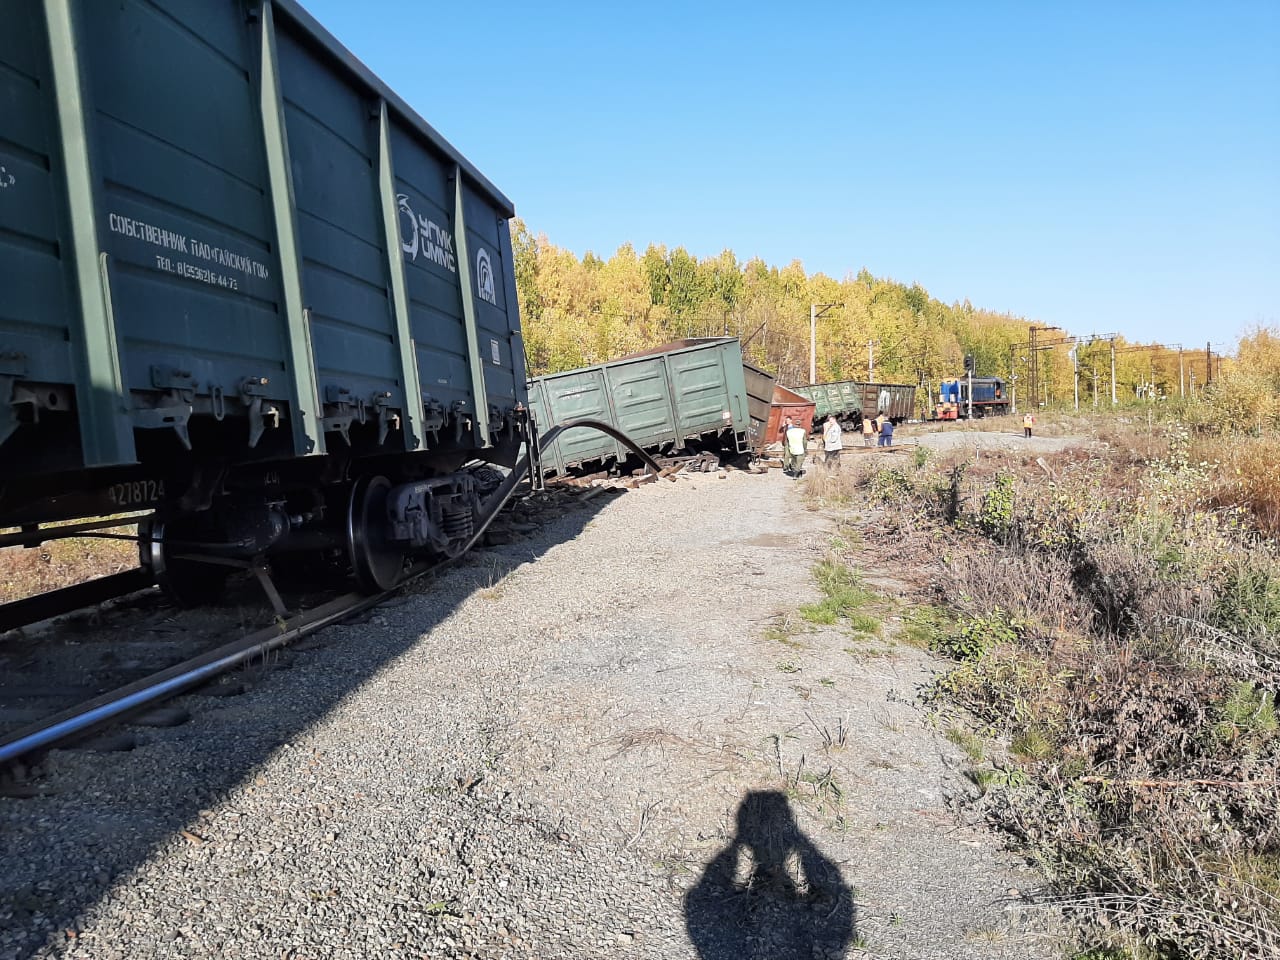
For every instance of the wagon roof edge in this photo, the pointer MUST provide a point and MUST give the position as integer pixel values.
(294, 10)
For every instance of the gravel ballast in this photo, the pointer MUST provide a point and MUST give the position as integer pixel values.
(609, 740)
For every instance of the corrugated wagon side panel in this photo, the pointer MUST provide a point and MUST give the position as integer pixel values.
(641, 400)
(904, 401)
(186, 200)
(333, 153)
(181, 160)
(212, 216)
(540, 408)
(700, 385)
(660, 398)
(37, 306)
(424, 195)
(579, 395)
(497, 316)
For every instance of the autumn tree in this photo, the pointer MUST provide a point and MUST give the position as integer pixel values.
(593, 309)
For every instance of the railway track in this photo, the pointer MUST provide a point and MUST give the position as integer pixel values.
(145, 693)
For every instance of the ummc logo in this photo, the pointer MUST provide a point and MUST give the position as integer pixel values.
(424, 237)
(484, 277)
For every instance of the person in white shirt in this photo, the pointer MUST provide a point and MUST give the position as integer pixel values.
(832, 441)
(793, 446)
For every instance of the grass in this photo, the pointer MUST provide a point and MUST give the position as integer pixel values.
(783, 629)
(843, 597)
(990, 778)
(813, 785)
(62, 563)
(824, 785)
(833, 739)
(864, 623)
(925, 625)
(886, 722)
(1246, 478)
(970, 743)
(1034, 743)
(986, 935)
(491, 585)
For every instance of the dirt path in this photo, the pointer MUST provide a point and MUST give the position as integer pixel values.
(663, 705)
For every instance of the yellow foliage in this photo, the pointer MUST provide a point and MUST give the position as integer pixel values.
(1259, 354)
(1245, 476)
(584, 311)
(1246, 394)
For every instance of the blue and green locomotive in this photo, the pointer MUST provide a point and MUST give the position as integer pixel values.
(990, 398)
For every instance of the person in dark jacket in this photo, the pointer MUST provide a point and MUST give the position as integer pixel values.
(886, 433)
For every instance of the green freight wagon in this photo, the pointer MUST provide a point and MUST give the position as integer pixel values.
(221, 237)
(688, 394)
(851, 400)
(238, 271)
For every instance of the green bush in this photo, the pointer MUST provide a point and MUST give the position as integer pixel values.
(892, 485)
(977, 636)
(1249, 602)
(995, 519)
(1247, 715)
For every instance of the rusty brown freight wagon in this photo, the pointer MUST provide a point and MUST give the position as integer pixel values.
(770, 404)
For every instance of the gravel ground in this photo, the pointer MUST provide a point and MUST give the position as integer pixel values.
(610, 740)
(978, 437)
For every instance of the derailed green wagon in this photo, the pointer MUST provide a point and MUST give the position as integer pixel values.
(684, 395)
(851, 400)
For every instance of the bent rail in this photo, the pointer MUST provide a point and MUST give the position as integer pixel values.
(553, 434)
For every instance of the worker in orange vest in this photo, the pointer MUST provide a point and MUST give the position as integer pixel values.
(1028, 421)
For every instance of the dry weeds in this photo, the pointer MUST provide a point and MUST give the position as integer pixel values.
(62, 563)
(1118, 624)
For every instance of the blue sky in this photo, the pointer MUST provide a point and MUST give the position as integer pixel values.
(1102, 167)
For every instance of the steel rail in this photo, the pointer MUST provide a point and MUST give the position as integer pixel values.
(78, 721)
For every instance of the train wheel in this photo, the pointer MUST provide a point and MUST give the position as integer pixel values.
(189, 583)
(377, 562)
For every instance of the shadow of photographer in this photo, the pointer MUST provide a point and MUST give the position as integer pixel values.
(770, 893)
